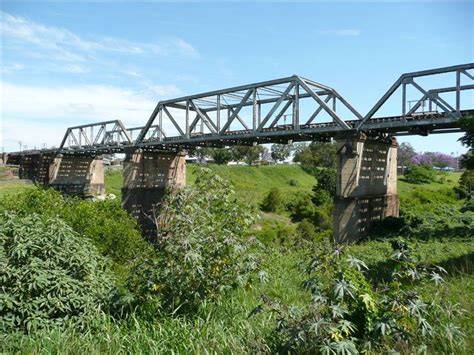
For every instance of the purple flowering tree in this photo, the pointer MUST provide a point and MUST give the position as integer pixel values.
(435, 159)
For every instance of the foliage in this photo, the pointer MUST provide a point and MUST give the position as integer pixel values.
(247, 154)
(221, 155)
(325, 188)
(105, 223)
(280, 152)
(301, 207)
(419, 175)
(202, 250)
(405, 154)
(273, 201)
(434, 159)
(348, 314)
(293, 182)
(112, 231)
(316, 155)
(466, 184)
(49, 274)
(467, 123)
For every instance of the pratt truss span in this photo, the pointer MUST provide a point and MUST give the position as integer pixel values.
(287, 109)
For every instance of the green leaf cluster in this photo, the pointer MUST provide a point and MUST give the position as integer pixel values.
(350, 313)
(203, 247)
(49, 275)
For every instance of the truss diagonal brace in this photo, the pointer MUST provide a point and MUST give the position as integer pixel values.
(212, 127)
(275, 106)
(339, 120)
(165, 110)
(232, 117)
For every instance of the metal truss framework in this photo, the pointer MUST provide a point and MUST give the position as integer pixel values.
(217, 118)
(96, 135)
(279, 96)
(431, 97)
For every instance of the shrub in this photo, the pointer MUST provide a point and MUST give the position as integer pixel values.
(293, 182)
(347, 314)
(420, 175)
(273, 201)
(49, 275)
(202, 250)
(466, 184)
(112, 231)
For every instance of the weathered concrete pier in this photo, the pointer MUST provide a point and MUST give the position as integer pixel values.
(147, 174)
(366, 188)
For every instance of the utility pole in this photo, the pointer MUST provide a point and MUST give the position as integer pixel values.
(20, 143)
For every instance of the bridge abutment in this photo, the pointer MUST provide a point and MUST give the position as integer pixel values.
(147, 175)
(366, 187)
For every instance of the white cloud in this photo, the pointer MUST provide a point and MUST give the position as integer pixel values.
(41, 114)
(347, 32)
(67, 46)
(91, 102)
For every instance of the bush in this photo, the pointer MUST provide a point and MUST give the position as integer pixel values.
(420, 175)
(112, 231)
(293, 182)
(49, 275)
(466, 184)
(347, 314)
(202, 250)
(273, 201)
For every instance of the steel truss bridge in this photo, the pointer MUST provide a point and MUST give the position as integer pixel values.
(280, 111)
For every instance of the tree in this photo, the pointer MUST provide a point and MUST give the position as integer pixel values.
(325, 188)
(405, 155)
(467, 123)
(280, 152)
(221, 155)
(316, 155)
(248, 154)
(272, 201)
(434, 159)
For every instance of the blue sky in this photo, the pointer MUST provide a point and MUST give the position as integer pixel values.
(70, 63)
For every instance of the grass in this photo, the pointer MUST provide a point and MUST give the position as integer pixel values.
(252, 183)
(11, 186)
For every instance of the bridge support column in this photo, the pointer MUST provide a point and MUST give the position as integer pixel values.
(77, 174)
(34, 166)
(366, 187)
(147, 175)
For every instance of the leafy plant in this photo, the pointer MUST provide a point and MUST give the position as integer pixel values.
(348, 314)
(273, 201)
(202, 249)
(49, 274)
(112, 231)
(419, 175)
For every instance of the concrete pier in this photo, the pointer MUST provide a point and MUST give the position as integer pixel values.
(366, 185)
(77, 175)
(147, 174)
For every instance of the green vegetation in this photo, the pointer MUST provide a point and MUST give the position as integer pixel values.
(420, 175)
(252, 184)
(50, 275)
(106, 225)
(221, 320)
(202, 248)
